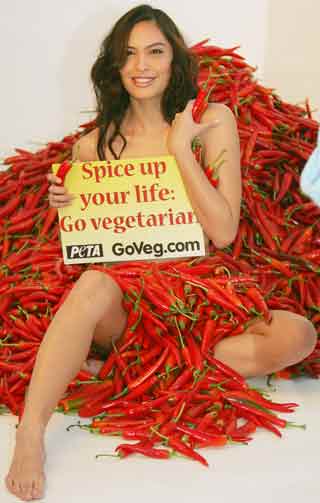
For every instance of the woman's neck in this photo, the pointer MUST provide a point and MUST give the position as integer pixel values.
(144, 119)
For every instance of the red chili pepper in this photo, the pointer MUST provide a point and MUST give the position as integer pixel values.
(208, 333)
(257, 298)
(228, 371)
(217, 298)
(196, 356)
(150, 372)
(258, 399)
(10, 206)
(249, 148)
(285, 187)
(303, 240)
(107, 367)
(278, 265)
(142, 388)
(49, 220)
(269, 426)
(143, 449)
(260, 413)
(179, 446)
(118, 381)
(201, 435)
(10, 400)
(181, 380)
(202, 100)
(63, 170)
(94, 406)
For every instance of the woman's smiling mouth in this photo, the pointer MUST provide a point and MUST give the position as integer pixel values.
(142, 81)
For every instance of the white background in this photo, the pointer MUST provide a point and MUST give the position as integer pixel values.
(47, 50)
(267, 470)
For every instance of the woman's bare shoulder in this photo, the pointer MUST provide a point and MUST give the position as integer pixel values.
(219, 111)
(85, 149)
(225, 132)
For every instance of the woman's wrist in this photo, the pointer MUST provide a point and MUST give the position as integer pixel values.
(182, 153)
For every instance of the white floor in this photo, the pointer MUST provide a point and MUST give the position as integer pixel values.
(267, 470)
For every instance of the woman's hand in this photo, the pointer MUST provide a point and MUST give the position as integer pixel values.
(184, 130)
(58, 194)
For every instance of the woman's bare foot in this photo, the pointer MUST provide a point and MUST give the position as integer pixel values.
(26, 478)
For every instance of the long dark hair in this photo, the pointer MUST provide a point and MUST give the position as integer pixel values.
(112, 97)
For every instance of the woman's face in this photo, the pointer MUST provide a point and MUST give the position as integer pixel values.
(147, 70)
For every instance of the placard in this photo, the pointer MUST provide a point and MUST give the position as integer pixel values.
(130, 209)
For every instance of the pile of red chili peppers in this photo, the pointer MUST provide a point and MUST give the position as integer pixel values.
(162, 384)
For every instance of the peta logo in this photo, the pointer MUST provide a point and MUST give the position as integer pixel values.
(84, 251)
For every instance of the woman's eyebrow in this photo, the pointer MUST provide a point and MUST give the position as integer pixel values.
(148, 46)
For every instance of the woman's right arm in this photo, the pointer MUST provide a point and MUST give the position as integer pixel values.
(83, 150)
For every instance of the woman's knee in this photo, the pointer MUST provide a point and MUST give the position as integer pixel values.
(305, 336)
(298, 335)
(97, 290)
(288, 340)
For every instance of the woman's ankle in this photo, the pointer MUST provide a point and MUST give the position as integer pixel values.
(31, 427)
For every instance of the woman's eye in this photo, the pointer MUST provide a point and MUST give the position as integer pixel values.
(157, 51)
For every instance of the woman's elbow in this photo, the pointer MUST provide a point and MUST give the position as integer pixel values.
(222, 243)
(225, 240)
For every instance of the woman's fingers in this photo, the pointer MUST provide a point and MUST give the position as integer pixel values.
(57, 190)
(53, 179)
(58, 194)
(59, 201)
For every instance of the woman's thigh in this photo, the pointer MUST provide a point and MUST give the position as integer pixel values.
(113, 322)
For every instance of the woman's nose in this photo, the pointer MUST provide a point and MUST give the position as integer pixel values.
(141, 61)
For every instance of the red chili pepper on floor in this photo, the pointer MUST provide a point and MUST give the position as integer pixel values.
(179, 446)
(144, 449)
(228, 371)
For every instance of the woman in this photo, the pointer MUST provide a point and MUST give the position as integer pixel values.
(144, 81)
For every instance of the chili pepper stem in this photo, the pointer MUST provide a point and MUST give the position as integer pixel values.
(176, 419)
(82, 427)
(235, 442)
(156, 432)
(290, 424)
(179, 333)
(108, 455)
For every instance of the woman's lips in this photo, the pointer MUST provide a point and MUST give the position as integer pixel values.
(142, 81)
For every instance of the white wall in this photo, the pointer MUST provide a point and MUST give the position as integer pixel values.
(48, 47)
(292, 62)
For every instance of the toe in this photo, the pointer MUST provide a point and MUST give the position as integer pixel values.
(10, 484)
(37, 490)
(26, 490)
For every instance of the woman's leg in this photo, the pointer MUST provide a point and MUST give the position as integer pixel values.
(263, 349)
(95, 297)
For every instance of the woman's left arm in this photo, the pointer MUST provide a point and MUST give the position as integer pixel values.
(217, 209)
